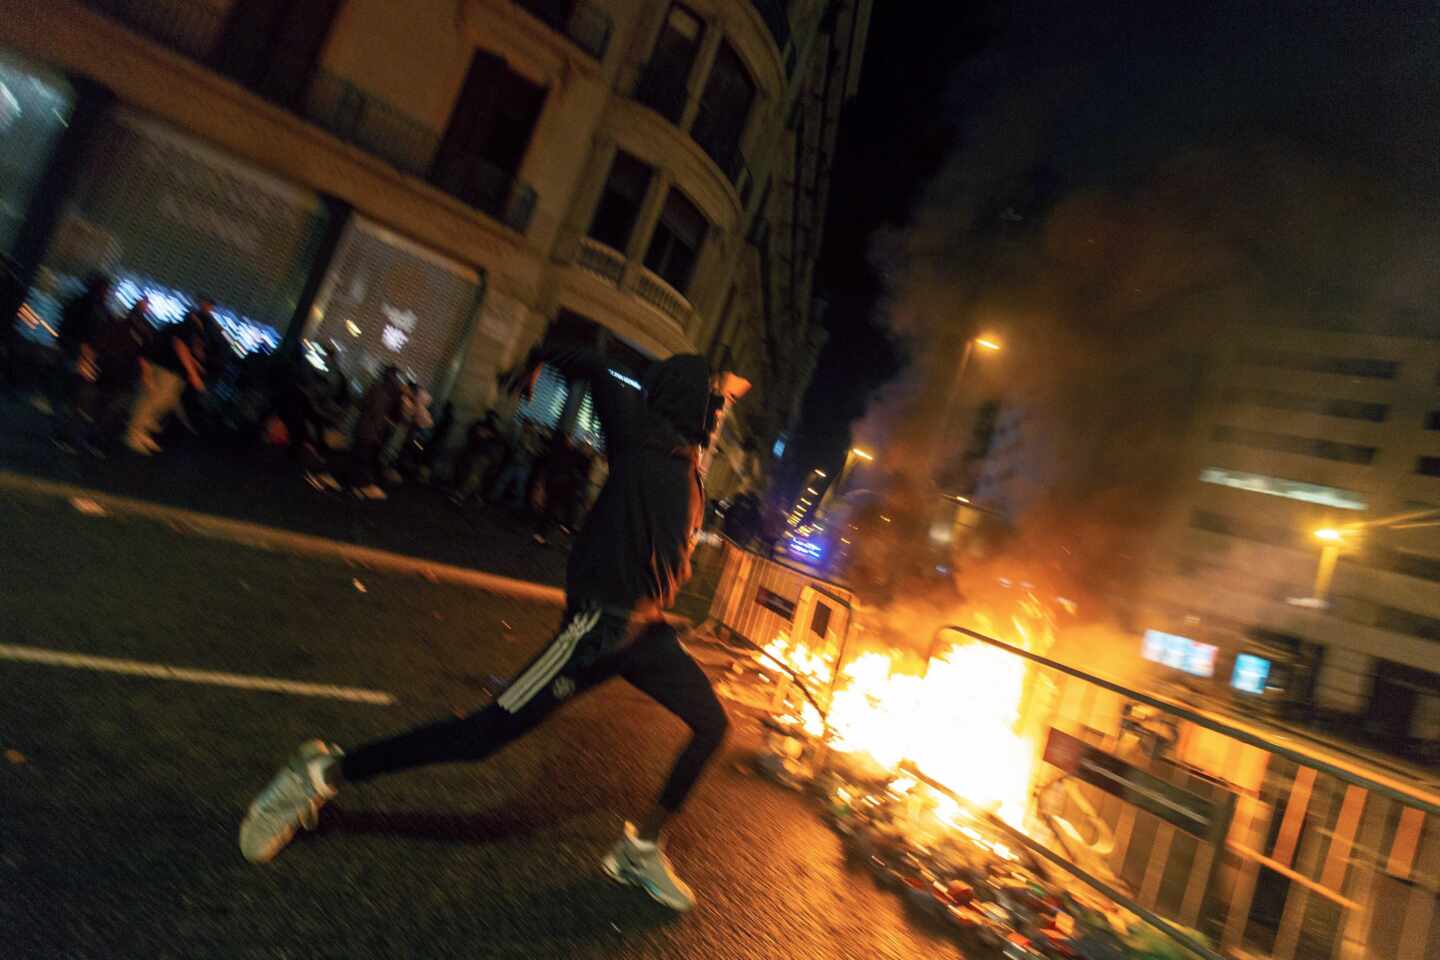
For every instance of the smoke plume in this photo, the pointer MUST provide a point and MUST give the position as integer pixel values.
(1137, 202)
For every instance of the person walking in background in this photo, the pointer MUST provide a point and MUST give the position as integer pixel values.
(175, 360)
(626, 567)
(513, 487)
(214, 353)
(12, 297)
(436, 441)
(407, 443)
(118, 349)
(81, 324)
(484, 450)
(560, 475)
(380, 410)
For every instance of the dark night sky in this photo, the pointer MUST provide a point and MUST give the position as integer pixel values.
(1103, 93)
(892, 140)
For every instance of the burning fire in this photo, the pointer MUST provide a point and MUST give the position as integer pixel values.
(957, 721)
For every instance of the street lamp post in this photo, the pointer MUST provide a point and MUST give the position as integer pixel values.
(986, 343)
(1331, 540)
(853, 456)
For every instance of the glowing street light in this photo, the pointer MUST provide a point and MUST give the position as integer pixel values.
(987, 343)
(812, 490)
(863, 455)
(1333, 541)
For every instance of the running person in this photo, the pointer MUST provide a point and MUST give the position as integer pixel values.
(625, 568)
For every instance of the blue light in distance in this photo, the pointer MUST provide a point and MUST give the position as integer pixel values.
(806, 549)
(1250, 673)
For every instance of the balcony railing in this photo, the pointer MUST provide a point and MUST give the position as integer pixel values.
(601, 260)
(664, 87)
(351, 114)
(662, 296)
(487, 188)
(184, 26)
(586, 24)
(773, 13)
(371, 124)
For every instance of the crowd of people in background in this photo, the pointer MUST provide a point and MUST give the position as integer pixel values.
(122, 381)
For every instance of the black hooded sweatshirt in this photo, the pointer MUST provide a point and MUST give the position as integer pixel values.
(633, 552)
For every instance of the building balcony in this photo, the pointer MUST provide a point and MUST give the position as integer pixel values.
(609, 264)
(601, 260)
(332, 103)
(663, 297)
(586, 24)
(364, 121)
(192, 29)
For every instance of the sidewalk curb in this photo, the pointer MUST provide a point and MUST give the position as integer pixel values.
(285, 541)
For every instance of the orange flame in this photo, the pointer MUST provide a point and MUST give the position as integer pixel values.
(957, 722)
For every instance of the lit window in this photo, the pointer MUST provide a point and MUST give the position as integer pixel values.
(1289, 489)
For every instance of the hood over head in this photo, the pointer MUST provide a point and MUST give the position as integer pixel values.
(678, 391)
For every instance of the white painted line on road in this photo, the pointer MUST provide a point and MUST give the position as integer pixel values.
(161, 671)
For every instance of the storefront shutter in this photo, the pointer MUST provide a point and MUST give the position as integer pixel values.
(547, 401)
(388, 300)
(178, 219)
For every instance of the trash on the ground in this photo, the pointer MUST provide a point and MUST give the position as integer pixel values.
(506, 625)
(246, 586)
(15, 756)
(358, 585)
(956, 869)
(88, 507)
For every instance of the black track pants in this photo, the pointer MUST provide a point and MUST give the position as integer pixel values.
(589, 649)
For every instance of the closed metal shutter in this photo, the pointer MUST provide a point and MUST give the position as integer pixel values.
(547, 401)
(177, 219)
(388, 300)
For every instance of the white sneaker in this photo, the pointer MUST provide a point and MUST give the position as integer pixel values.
(645, 865)
(290, 801)
(322, 481)
(372, 492)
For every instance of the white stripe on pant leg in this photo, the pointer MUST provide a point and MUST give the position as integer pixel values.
(558, 651)
(543, 670)
(522, 688)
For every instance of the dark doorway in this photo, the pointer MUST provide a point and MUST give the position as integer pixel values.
(273, 46)
(1400, 695)
(489, 131)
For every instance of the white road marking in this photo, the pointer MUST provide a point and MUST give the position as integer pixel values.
(161, 671)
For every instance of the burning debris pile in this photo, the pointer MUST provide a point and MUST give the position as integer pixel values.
(904, 738)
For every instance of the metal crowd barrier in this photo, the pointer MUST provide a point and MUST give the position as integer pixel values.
(757, 598)
(1269, 846)
(1265, 844)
